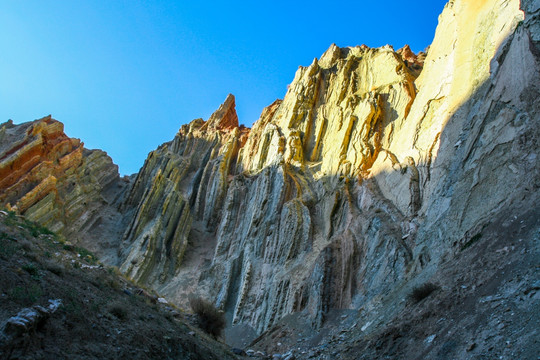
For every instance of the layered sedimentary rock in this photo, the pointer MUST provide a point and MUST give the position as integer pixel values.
(52, 179)
(472, 129)
(362, 178)
(252, 221)
(376, 167)
(181, 183)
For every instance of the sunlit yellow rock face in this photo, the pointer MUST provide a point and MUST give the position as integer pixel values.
(231, 203)
(458, 71)
(336, 112)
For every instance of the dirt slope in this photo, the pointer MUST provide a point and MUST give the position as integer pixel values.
(98, 314)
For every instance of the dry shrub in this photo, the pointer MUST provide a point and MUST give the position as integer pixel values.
(57, 269)
(119, 311)
(210, 319)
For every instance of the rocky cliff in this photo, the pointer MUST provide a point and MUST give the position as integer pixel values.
(54, 180)
(362, 179)
(376, 170)
(254, 219)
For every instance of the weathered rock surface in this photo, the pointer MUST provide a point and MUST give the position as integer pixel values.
(376, 169)
(255, 221)
(362, 178)
(54, 180)
(183, 182)
(27, 320)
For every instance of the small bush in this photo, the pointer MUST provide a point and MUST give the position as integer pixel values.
(114, 284)
(8, 245)
(31, 269)
(113, 270)
(6, 236)
(26, 245)
(74, 308)
(35, 229)
(421, 292)
(210, 319)
(119, 311)
(11, 218)
(68, 247)
(86, 255)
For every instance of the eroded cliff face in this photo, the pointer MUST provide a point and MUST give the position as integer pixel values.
(472, 130)
(257, 221)
(362, 178)
(376, 167)
(52, 179)
(179, 193)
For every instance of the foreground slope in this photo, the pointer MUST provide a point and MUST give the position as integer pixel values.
(58, 302)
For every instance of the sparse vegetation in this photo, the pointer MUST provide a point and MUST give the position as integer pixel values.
(26, 245)
(114, 283)
(37, 269)
(113, 270)
(211, 320)
(36, 229)
(421, 292)
(55, 268)
(83, 253)
(10, 218)
(32, 270)
(68, 247)
(5, 236)
(33, 228)
(86, 255)
(27, 295)
(119, 311)
(8, 245)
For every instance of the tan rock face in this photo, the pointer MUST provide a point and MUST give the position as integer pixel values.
(415, 62)
(237, 210)
(54, 180)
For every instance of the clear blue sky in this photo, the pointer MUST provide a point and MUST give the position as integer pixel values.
(124, 75)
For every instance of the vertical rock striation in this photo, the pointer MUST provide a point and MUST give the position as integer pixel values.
(178, 195)
(363, 177)
(279, 219)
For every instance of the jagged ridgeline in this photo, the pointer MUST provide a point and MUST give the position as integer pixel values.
(376, 167)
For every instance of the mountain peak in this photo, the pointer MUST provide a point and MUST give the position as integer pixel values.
(225, 117)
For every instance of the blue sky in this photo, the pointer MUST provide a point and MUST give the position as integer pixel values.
(124, 75)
